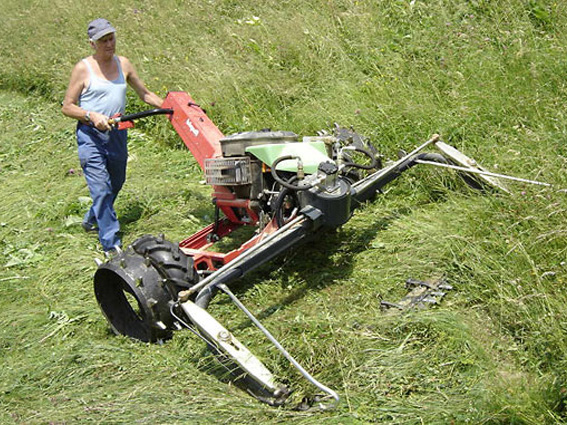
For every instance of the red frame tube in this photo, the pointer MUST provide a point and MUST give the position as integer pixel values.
(202, 138)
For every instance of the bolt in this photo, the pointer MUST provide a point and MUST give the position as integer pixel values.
(224, 336)
(151, 302)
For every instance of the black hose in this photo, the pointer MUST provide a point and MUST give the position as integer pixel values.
(205, 296)
(434, 157)
(278, 204)
(369, 154)
(283, 182)
(143, 114)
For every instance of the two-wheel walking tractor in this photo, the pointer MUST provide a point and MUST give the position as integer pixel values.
(287, 189)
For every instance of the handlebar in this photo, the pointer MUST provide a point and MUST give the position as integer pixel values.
(138, 115)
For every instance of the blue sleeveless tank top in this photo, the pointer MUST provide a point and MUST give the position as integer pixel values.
(104, 96)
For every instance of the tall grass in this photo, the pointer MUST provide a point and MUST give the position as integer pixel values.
(489, 76)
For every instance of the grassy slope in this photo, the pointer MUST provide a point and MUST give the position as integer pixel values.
(489, 77)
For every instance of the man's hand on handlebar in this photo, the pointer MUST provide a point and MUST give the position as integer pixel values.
(100, 121)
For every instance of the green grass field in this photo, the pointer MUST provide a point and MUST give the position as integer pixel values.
(489, 76)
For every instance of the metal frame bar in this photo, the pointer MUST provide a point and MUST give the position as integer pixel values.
(484, 173)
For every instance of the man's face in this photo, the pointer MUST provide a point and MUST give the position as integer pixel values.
(106, 44)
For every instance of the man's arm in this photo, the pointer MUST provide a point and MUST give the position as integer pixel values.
(71, 102)
(71, 106)
(139, 87)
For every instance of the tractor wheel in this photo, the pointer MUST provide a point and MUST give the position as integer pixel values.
(171, 263)
(137, 288)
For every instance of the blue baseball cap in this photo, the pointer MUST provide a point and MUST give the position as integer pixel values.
(99, 28)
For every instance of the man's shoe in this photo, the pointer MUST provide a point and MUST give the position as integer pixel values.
(88, 227)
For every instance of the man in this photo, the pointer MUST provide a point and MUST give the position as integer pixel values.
(96, 92)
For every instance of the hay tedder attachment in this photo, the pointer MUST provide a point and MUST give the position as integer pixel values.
(288, 190)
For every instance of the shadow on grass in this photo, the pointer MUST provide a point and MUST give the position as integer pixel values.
(312, 260)
(133, 212)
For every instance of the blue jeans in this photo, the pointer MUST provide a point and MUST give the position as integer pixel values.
(103, 158)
